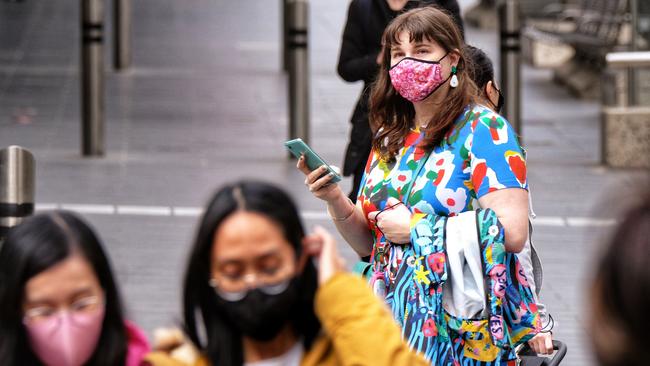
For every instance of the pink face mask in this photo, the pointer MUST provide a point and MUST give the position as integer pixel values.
(416, 79)
(66, 338)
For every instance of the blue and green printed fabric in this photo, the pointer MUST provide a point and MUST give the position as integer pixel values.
(416, 300)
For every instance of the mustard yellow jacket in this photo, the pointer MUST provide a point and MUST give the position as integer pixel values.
(357, 329)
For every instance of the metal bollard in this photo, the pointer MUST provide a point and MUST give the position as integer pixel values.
(284, 52)
(298, 17)
(632, 74)
(122, 34)
(510, 60)
(92, 77)
(16, 187)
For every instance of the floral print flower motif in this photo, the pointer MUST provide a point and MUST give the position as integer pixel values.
(400, 179)
(429, 328)
(422, 206)
(436, 262)
(415, 79)
(453, 200)
(493, 230)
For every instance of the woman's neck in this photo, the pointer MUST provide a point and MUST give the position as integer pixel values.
(255, 351)
(426, 109)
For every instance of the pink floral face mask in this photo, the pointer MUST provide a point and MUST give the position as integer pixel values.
(416, 79)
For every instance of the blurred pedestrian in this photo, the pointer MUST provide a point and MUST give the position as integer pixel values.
(59, 303)
(359, 60)
(482, 72)
(620, 291)
(252, 295)
(436, 153)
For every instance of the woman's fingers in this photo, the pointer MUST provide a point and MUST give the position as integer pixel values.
(302, 166)
(313, 244)
(394, 221)
(316, 181)
(372, 216)
(329, 260)
(315, 174)
(548, 343)
(542, 343)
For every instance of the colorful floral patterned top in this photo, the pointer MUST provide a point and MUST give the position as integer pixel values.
(479, 155)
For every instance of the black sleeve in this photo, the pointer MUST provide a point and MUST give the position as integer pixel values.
(356, 60)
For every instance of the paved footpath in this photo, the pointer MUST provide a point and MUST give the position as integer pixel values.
(205, 103)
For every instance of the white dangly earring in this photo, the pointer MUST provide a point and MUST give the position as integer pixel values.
(454, 78)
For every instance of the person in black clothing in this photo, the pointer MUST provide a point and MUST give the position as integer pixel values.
(358, 62)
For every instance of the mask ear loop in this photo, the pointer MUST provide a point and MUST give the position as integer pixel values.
(500, 101)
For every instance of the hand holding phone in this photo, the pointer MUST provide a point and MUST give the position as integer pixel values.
(299, 148)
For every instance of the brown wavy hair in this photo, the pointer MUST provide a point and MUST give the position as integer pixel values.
(392, 115)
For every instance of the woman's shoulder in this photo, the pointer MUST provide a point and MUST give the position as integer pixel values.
(482, 113)
(484, 120)
(480, 122)
(489, 129)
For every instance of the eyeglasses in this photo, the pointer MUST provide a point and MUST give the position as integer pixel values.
(83, 305)
(238, 295)
(270, 281)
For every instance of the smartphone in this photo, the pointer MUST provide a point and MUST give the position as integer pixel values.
(313, 161)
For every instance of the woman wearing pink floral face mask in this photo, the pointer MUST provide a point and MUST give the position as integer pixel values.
(436, 153)
(59, 304)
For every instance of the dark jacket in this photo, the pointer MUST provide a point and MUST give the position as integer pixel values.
(361, 44)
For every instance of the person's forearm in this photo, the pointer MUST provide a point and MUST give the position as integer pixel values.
(351, 224)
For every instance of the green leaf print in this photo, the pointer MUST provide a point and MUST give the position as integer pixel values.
(431, 175)
(392, 192)
(459, 127)
(412, 165)
(464, 152)
(490, 121)
(376, 189)
(416, 197)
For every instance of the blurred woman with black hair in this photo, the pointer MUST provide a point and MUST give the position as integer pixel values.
(59, 303)
(252, 296)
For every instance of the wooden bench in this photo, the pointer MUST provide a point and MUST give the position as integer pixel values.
(586, 32)
(576, 44)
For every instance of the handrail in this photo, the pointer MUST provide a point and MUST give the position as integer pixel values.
(628, 59)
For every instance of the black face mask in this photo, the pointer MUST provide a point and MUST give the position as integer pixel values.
(259, 315)
(500, 102)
